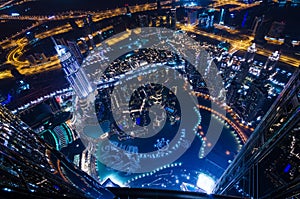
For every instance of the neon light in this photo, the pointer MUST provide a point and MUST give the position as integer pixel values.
(8, 100)
(244, 19)
(55, 139)
(69, 132)
(287, 168)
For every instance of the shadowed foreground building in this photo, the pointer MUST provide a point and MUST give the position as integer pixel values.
(268, 165)
(31, 168)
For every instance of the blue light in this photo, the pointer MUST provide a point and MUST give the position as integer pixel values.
(8, 100)
(56, 187)
(169, 109)
(287, 168)
(138, 121)
(245, 19)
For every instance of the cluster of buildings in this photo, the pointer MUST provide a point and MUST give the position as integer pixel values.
(248, 82)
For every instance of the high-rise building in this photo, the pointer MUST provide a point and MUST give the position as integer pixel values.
(180, 13)
(31, 168)
(74, 48)
(206, 20)
(192, 16)
(73, 71)
(173, 18)
(222, 17)
(249, 56)
(270, 64)
(158, 5)
(203, 20)
(268, 165)
(143, 20)
(91, 39)
(256, 23)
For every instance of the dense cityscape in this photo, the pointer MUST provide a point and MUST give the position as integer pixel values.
(150, 99)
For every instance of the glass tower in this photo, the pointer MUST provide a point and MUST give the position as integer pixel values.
(73, 71)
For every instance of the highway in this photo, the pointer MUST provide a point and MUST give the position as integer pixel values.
(238, 44)
(24, 67)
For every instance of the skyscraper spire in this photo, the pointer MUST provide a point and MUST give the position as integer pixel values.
(73, 71)
(54, 41)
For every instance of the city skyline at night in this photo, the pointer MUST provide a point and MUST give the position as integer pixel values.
(188, 96)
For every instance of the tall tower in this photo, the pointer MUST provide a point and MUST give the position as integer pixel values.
(222, 16)
(158, 5)
(257, 22)
(192, 17)
(73, 71)
(76, 51)
(173, 18)
(31, 168)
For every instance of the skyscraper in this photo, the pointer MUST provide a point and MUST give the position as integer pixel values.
(206, 20)
(173, 18)
(249, 56)
(222, 16)
(270, 64)
(76, 51)
(73, 71)
(256, 23)
(31, 168)
(192, 16)
(158, 4)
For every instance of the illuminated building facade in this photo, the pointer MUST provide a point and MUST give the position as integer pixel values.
(270, 64)
(31, 168)
(206, 20)
(73, 71)
(272, 60)
(173, 18)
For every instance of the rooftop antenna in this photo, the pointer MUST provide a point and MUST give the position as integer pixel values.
(56, 46)
(54, 41)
